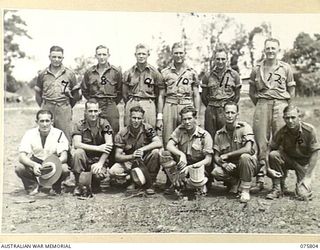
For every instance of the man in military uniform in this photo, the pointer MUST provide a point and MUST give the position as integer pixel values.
(234, 155)
(221, 85)
(140, 85)
(138, 140)
(190, 144)
(271, 88)
(36, 146)
(92, 142)
(295, 147)
(180, 88)
(57, 90)
(104, 83)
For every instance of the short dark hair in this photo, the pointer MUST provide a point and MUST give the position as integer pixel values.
(188, 109)
(42, 112)
(272, 40)
(91, 100)
(290, 108)
(56, 48)
(219, 50)
(178, 45)
(137, 109)
(102, 47)
(231, 103)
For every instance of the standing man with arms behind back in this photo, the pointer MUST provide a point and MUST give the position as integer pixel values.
(140, 85)
(180, 88)
(57, 91)
(221, 85)
(271, 89)
(104, 83)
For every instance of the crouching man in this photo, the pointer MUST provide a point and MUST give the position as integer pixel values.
(137, 141)
(191, 146)
(234, 154)
(92, 142)
(36, 146)
(295, 147)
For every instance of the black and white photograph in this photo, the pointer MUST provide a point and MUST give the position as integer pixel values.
(160, 122)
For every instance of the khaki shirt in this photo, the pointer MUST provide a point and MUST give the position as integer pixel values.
(179, 85)
(243, 133)
(144, 83)
(53, 88)
(195, 146)
(275, 85)
(298, 147)
(129, 142)
(108, 85)
(87, 135)
(221, 88)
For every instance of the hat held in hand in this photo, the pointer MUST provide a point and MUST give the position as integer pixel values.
(140, 174)
(51, 170)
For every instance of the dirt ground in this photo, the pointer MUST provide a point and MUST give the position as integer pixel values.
(113, 212)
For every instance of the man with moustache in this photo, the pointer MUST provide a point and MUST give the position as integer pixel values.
(180, 88)
(138, 140)
(234, 153)
(140, 86)
(38, 144)
(272, 87)
(191, 145)
(92, 142)
(57, 90)
(294, 147)
(104, 83)
(219, 86)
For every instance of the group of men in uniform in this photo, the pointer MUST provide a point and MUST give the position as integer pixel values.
(161, 125)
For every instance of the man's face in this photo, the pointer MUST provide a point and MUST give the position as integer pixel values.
(142, 55)
(102, 56)
(92, 112)
(271, 49)
(44, 122)
(56, 58)
(188, 121)
(231, 114)
(178, 55)
(221, 60)
(136, 119)
(292, 119)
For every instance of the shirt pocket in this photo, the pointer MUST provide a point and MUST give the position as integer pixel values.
(225, 148)
(197, 149)
(148, 84)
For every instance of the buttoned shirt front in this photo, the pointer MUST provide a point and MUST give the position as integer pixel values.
(88, 135)
(129, 142)
(179, 84)
(224, 143)
(56, 142)
(142, 83)
(221, 87)
(54, 87)
(298, 146)
(195, 146)
(276, 84)
(109, 84)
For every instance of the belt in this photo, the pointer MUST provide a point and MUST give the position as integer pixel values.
(138, 98)
(58, 103)
(105, 98)
(181, 101)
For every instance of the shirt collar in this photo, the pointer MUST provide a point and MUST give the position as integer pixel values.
(86, 125)
(63, 69)
(135, 67)
(95, 67)
(214, 70)
(278, 64)
(224, 128)
(184, 66)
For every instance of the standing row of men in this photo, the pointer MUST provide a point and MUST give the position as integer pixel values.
(165, 98)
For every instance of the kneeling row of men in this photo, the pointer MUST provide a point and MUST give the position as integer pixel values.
(191, 159)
